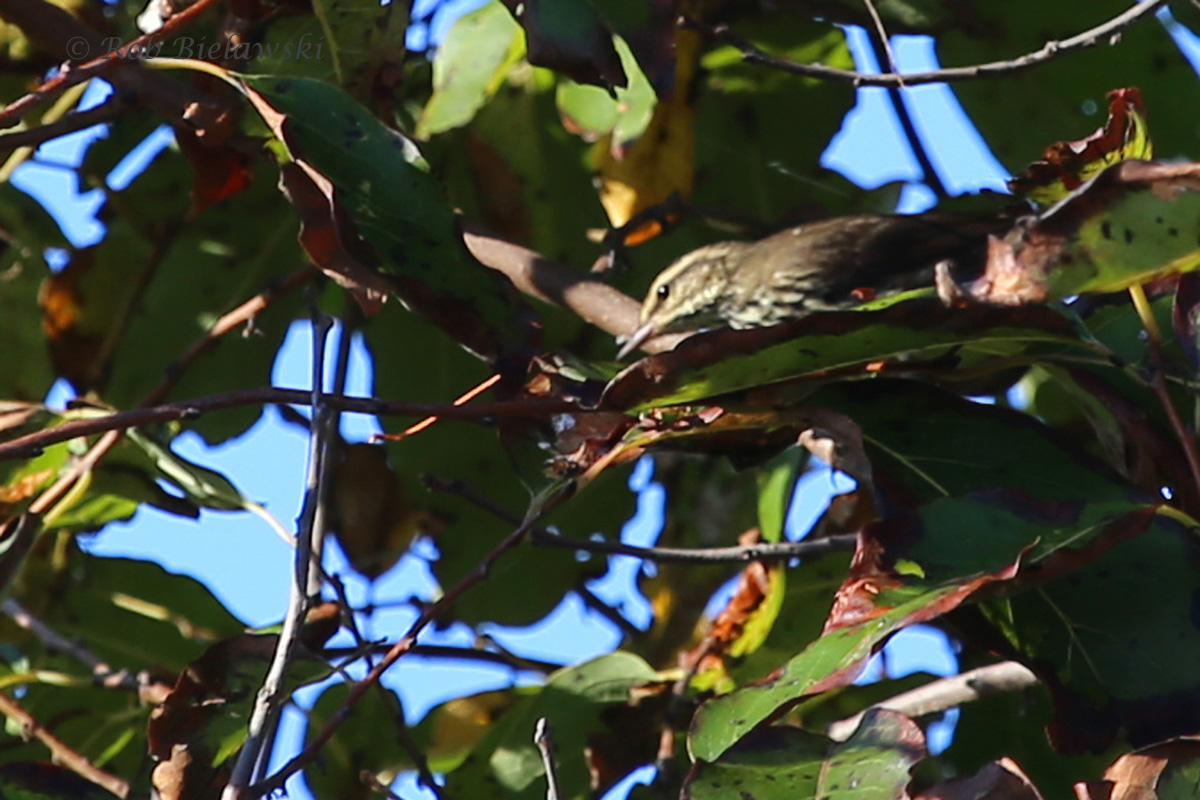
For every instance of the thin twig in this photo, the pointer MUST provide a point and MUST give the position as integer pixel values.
(101, 672)
(425, 776)
(33, 443)
(764, 551)
(881, 36)
(236, 319)
(946, 693)
(543, 737)
(883, 52)
(259, 737)
(63, 753)
(1092, 37)
(71, 74)
(504, 658)
(76, 121)
(398, 650)
(618, 620)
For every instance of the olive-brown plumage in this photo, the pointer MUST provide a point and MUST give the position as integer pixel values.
(812, 267)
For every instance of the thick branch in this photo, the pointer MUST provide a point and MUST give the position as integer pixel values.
(593, 301)
(940, 695)
(1100, 34)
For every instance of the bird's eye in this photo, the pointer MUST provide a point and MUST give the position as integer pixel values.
(664, 291)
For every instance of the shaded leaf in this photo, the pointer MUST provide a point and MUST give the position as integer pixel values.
(570, 37)
(369, 741)
(781, 763)
(370, 173)
(723, 361)
(580, 703)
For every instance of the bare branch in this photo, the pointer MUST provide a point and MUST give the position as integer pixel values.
(882, 50)
(72, 122)
(25, 446)
(101, 672)
(55, 30)
(398, 650)
(543, 737)
(764, 551)
(260, 738)
(940, 695)
(1092, 37)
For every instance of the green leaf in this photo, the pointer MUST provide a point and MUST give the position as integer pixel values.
(787, 763)
(25, 369)
(207, 488)
(580, 703)
(399, 209)
(369, 740)
(776, 486)
(724, 361)
(469, 66)
(830, 661)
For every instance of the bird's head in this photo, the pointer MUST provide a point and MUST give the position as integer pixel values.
(687, 295)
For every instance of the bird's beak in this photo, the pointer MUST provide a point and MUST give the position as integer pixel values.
(635, 340)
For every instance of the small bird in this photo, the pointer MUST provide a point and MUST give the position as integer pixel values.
(813, 267)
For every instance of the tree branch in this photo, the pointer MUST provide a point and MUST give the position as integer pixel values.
(594, 301)
(29, 444)
(56, 31)
(1089, 38)
(946, 693)
(764, 551)
(260, 737)
(63, 753)
(398, 650)
(101, 672)
(75, 121)
(883, 54)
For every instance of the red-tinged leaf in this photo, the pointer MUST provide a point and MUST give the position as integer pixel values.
(782, 763)
(321, 239)
(202, 722)
(743, 624)
(221, 170)
(1134, 223)
(1065, 166)
(833, 660)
